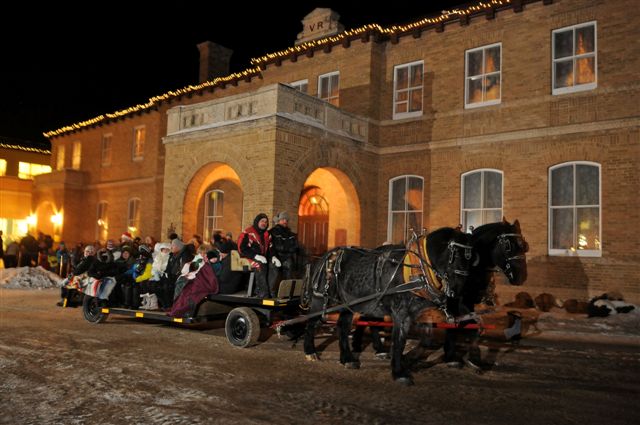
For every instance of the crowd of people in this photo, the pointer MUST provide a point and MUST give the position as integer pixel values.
(174, 276)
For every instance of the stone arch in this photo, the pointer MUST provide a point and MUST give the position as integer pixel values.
(205, 178)
(343, 203)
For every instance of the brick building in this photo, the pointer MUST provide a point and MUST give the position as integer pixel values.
(523, 109)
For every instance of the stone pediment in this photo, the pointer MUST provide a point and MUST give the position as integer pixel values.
(321, 22)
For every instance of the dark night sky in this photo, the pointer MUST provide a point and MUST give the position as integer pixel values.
(65, 65)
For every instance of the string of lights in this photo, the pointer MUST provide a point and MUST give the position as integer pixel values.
(259, 63)
(24, 148)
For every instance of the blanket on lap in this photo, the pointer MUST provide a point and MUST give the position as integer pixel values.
(195, 290)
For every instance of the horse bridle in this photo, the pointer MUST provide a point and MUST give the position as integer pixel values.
(506, 246)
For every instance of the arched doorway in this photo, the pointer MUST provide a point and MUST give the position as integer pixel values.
(328, 211)
(213, 202)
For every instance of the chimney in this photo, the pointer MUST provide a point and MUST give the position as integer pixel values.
(214, 60)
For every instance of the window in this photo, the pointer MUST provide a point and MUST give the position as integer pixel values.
(329, 88)
(407, 90)
(60, 159)
(213, 204)
(138, 143)
(483, 76)
(102, 221)
(133, 216)
(481, 198)
(405, 207)
(76, 155)
(3, 167)
(301, 85)
(106, 150)
(574, 58)
(574, 209)
(27, 170)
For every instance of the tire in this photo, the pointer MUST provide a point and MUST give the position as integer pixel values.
(242, 327)
(92, 310)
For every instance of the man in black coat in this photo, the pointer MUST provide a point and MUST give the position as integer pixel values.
(285, 246)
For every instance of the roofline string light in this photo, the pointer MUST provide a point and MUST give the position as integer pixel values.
(259, 62)
(24, 148)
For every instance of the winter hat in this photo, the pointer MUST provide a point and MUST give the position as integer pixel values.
(144, 250)
(257, 220)
(126, 248)
(104, 255)
(214, 253)
(282, 215)
(177, 243)
(126, 236)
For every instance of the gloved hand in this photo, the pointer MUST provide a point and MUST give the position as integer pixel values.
(260, 259)
(276, 262)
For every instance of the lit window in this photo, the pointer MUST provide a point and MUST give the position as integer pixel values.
(27, 170)
(483, 76)
(102, 221)
(76, 155)
(329, 88)
(301, 85)
(106, 150)
(60, 159)
(481, 198)
(574, 209)
(574, 58)
(139, 135)
(3, 167)
(407, 90)
(133, 216)
(405, 207)
(213, 205)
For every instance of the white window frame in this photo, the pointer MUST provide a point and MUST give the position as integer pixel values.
(60, 160)
(575, 252)
(137, 151)
(409, 90)
(133, 215)
(483, 75)
(328, 77)
(298, 85)
(482, 208)
(216, 218)
(102, 218)
(106, 150)
(390, 211)
(581, 87)
(76, 155)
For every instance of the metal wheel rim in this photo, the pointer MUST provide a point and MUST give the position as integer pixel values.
(239, 329)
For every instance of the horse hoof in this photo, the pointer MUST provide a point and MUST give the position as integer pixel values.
(352, 365)
(405, 380)
(474, 364)
(454, 364)
(383, 356)
(311, 357)
(436, 356)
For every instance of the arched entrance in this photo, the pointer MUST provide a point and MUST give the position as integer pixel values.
(213, 202)
(328, 211)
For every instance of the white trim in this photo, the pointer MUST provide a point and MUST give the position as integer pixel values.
(482, 171)
(576, 252)
(296, 85)
(409, 89)
(328, 76)
(129, 219)
(483, 75)
(108, 136)
(215, 218)
(390, 202)
(581, 87)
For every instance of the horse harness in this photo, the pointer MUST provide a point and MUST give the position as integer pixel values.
(505, 243)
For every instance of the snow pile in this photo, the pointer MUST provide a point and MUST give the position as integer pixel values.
(617, 324)
(29, 277)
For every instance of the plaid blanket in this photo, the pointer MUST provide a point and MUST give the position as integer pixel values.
(99, 288)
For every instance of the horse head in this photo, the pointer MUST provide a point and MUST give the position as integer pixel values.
(502, 245)
(451, 254)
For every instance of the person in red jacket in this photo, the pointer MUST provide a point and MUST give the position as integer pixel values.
(255, 244)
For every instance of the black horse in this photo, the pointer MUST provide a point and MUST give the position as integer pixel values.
(346, 274)
(502, 247)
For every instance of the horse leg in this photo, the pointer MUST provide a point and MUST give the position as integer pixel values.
(399, 371)
(451, 335)
(376, 340)
(309, 336)
(344, 324)
(356, 340)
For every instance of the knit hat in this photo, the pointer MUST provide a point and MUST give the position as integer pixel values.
(282, 215)
(126, 236)
(177, 243)
(144, 250)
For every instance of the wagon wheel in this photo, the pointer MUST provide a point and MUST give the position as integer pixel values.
(242, 327)
(92, 310)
